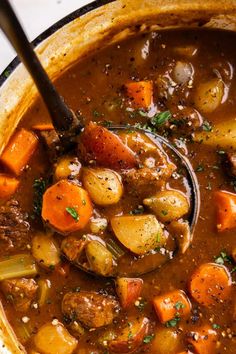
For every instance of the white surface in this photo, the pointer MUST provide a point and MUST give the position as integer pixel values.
(36, 16)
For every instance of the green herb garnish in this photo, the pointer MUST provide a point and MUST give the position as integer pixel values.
(215, 326)
(73, 213)
(179, 305)
(199, 168)
(173, 322)
(223, 258)
(206, 126)
(160, 118)
(39, 187)
(148, 339)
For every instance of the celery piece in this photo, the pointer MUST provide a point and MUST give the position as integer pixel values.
(19, 265)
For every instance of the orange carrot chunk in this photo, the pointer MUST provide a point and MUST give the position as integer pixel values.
(210, 284)
(19, 150)
(172, 305)
(99, 144)
(43, 126)
(226, 210)
(8, 186)
(66, 207)
(203, 340)
(141, 93)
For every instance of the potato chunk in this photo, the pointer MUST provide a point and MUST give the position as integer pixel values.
(103, 185)
(45, 250)
(67, 166)
(209, 95)
(140, 233)
(54, 339)
(100, 259)
(168, 205)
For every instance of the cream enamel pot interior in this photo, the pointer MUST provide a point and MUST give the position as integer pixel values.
(83, 32)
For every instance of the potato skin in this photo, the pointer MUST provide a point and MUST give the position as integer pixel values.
(209, 95)
(93, 310)
(168, 205)
(139, 233)
(100, 259)
(103, 185)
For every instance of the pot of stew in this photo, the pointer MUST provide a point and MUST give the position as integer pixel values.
(97, 253)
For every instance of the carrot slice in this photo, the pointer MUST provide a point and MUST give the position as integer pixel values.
(171, 305)
(8, 186)
(43, 126)
(66, 207)
(210, 284)
(19, 150)
(203, 340)
(106, 148)
(226, 210)
(141, 93)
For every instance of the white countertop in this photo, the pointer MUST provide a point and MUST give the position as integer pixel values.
(36, 16)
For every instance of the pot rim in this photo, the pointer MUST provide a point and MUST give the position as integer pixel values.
(50, 30)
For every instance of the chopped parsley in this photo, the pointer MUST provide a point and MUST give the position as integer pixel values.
(141, 304)
(106, 123)
(164, 212)
(160, 118)
(215, 326)
(137, 211)
(173, 322)
(223, 258)
(199, 168)
(206, 126)
(39, 187)
(72, 211)
(179, 305)
(148, 339)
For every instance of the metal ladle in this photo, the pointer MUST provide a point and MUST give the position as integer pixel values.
(63, 118)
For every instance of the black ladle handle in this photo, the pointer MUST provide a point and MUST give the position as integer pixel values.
(62, 117)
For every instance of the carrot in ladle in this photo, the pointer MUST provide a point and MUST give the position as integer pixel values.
(66, 207)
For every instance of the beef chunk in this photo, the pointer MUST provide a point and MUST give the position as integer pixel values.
(91, 309)
(14, 229)
(21, 292)
(146, 181)
(231, 163)
(52, 142)
(73, 247)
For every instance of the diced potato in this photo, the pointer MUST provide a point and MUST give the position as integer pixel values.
(139, 233)
(209, 95)
(103, 185)
(182, 72)
(98, 225)
(100, 259)
(45, 250)
(54, 339)
(223, 134)
(166, 341)
(67, 166)
(131, 337)
(168, 205)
